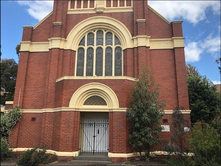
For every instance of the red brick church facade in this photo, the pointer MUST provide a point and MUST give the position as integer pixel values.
(77, 67)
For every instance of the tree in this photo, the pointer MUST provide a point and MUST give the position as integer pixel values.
(8, 78)
(177, 145)
(203, 98)
(178, 134)
(216, 124)
(144, 113)
(17, 49)
(219, 62)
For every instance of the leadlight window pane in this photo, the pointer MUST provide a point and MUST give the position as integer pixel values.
(89, 64)
(90, 39)
(95, 100)
(117, 41)
(99, 62)
(82, 43)
(108, 61)
(99, 37)
(118, 61)
(80, 62)
(109, 38)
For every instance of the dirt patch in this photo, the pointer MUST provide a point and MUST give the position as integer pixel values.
(12, 160)
(9, 160)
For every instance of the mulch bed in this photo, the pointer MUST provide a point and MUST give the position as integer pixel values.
(9, 160)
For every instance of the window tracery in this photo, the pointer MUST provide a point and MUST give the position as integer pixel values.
(99, 53)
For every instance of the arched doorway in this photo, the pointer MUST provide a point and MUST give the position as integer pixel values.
(94, 101)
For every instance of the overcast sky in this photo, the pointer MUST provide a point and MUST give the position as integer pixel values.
(201, 28)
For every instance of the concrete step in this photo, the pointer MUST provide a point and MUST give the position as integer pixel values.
(90, 161)
(90, 157)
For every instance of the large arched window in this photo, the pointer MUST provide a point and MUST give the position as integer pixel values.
(99, 53)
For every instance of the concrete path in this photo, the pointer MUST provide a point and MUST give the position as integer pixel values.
(83, 164)
(7, 164)
(71, 164)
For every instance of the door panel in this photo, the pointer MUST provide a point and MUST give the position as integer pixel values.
(94, 134)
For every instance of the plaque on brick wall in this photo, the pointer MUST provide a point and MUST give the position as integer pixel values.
(165, 128)
(186, 129)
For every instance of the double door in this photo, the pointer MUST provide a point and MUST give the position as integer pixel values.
(94, 134)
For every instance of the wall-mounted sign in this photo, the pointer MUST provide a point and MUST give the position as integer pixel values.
(165, 128)
(186, 129)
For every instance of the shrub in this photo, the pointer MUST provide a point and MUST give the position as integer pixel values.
(205, 143)
(5, 151)
(33, 157)
(9, 120)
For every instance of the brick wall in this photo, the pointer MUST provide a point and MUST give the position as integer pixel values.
(66, 88)
(27, 132)
(36, 86)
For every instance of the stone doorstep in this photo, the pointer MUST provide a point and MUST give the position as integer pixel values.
(86, 157)
(90, 162)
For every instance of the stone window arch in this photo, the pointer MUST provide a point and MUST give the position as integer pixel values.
(89, 90)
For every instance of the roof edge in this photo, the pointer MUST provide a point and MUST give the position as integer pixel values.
(40, 22)
(153, 10)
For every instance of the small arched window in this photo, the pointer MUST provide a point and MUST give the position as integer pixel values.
(95, 100)
(99, 53)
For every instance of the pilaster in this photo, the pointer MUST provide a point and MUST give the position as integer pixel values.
(27, 33)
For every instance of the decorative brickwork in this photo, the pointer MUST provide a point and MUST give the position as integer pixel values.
(48, 88)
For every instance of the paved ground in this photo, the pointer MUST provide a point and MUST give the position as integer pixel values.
(95, 164)
(7, 164)
(96, 160)
(85, 164)
(69, 164)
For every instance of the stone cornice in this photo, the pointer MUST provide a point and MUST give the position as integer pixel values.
(137, 41)
(91, 109)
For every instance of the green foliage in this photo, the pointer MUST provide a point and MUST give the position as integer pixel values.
(5, 151)
(177, 145)
(205, 143)
(178, 134)
(17, 49)
(144, 113)
(218, 61)
(216, 123)
(9, 120)
(8, 78)
(174, 162)
(204, 100)
(33, 157)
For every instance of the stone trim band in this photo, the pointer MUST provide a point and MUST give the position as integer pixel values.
(95, 109)
(111, 155)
